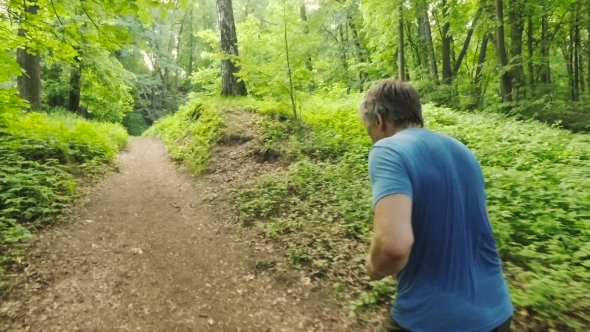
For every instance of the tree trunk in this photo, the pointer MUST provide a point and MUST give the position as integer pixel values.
(577, 54)
(505, 80)
(231, 86)
(303, 14)
(29, 82)
(446, 46)
(360, 51)
(426, 38)
(416, 55)
(177, 57)
(190, 45)
(286, 38)
(481, 60)
(582, 81)
(516, 31)
(343, 58)
(468, 40)
(546, 68)
(530, 48)
(308, 64)
(75, 78)
(570, 63)
(401, 65)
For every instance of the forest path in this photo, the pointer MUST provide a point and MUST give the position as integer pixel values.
(153, 249)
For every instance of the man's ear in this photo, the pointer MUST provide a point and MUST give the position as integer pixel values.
(379, 121)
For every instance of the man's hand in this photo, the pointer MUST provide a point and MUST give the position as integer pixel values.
(393, 237)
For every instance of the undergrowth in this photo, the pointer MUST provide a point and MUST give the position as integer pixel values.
(538, 183)
(319, 208)
(42, 156)
(189, 133)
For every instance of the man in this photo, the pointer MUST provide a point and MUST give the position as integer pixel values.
(431, 227)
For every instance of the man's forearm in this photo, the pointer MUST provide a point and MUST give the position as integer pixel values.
(380, 265)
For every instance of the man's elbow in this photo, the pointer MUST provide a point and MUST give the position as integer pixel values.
(399, 249)
(398, 257)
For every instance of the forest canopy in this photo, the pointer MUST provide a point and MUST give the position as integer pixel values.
(136, 61)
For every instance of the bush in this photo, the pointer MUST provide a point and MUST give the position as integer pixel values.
(189, 133)
(538, 185)
(135, 123)
(40, 155)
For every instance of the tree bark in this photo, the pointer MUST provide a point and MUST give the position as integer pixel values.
(190, 44)
(426, 38)
(570, 63)
(416, 55)
(516, 31)
(231, 86)
(308, 64)
(401, 60)
(286, 38)
(530, 44)
(75, 79)
(342, 44)
(360, 51)
(178, 43)
(446, 46)
(506, 79)
(577, 54)
(467, 40)
(29, 82)
(303, 15)
(481, 60)
(546, 66)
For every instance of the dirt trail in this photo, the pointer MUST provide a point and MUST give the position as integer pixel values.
(153, 249)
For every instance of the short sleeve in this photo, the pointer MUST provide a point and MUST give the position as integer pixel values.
(388, 173)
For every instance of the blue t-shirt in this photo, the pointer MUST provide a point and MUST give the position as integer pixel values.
(453, 281)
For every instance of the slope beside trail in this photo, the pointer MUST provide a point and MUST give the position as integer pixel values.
(153, 249)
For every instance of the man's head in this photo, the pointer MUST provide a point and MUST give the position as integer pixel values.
(390, 106)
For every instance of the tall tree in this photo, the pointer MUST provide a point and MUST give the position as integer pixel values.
(515, 13)
(231, 86)
(481, 59)
(506, 79)
(426, 40)
(75, 87)
(467, 41)
(360, 51)
(29, 82)
(545, 44)
(446, 45)
(401, 56)
(308, 64)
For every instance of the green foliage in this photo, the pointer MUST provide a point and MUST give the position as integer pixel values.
(263, 58)
(189, 133)
(135, 123)
(40, 156)
(207, 81)
(104, 91)
(537, 183)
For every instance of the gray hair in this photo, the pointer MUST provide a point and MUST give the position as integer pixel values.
(397, 102)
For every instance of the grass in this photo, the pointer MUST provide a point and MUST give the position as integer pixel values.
(43, 155)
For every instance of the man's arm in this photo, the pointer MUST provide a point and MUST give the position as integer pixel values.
(393, 236)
